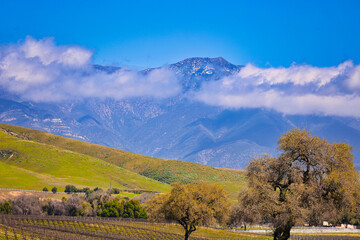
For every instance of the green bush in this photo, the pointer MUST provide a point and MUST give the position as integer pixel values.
(70, 189)
(115, 191)
(133, 209)
(113, 208)
(5, 208)
(122, 208)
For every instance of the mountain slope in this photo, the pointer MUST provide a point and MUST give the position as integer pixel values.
(32, 165)
(163, 170)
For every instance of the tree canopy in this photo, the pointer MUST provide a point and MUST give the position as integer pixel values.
(191, 205)
(310, 181)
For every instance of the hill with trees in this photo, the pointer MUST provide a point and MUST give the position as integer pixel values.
(38, 153)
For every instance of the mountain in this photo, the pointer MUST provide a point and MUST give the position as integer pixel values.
(194, 71)
(177, 127)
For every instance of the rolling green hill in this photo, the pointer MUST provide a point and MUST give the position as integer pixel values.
(83, 153)
(31, 165)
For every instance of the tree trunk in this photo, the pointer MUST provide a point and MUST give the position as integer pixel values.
(187, 234)
(282, 232)
(188, 230)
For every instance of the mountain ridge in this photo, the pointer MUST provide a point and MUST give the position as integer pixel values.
(177, 127)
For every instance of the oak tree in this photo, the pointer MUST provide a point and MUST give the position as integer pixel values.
(191, 205)
(309, 181)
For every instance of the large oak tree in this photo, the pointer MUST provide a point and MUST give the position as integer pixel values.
(310, 181)
(191, 205)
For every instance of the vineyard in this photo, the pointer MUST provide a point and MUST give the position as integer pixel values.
(77, 228)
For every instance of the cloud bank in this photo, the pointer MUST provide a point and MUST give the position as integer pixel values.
(298, 89)
(39, 70)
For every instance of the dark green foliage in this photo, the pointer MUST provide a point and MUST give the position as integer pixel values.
(87, 191)
(5, 208)
(70, 189)
(355, 221)
(54, 189)
(122, 208)
(45, 189)
(115, 191)
(133, 209)
(113, 208)
(350, 218)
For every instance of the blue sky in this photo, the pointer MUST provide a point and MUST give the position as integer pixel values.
(142, 34)
(301, 57)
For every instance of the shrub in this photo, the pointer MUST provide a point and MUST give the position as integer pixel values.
(113, 208)
(5, 208)
(114, 191)
(122, 208)
(74, 206)
(70, 189)
(26, 205)
(54, 207)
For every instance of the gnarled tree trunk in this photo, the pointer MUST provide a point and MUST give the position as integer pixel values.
(188, 231)
(282, 232)
(189, 228)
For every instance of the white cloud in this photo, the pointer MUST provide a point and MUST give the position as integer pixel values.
(47, 52)
(39, 70)
(354, 78)
(295, 74)
(158, 83)
(299, 89)
(347, 105)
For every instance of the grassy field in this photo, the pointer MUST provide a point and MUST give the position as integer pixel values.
(163, 170)
(27, 164)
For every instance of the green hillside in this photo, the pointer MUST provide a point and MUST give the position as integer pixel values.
(31, 165)
(163, 170)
